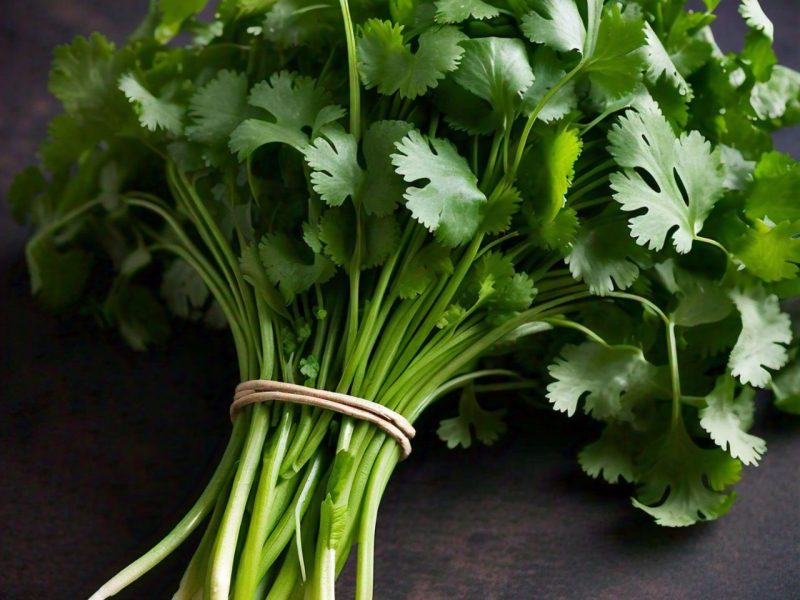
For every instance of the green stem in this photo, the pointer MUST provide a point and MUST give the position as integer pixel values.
(223, 554)
(523, 140)
(675, 375)
(714, 243)
(488, 174)
(65, 219)
(379, 478)
(578, 327)
(194, 576)
(248, 573)
(579, 206)
(286, 527)
(186, 526)
(574, 196)
(352, 68)
(592, 173)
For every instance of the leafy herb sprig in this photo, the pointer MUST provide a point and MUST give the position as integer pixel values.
(375, 198)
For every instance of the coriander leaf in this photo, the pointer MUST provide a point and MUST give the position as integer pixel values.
(337, 232)
(154, 113)
(547, 170)
(464, 111)
(756, 19)
(309, 367)
(659, 63)
(511, 298)
(486, 276)
(450, 204)
(452, 317)
(558, 234)
(672, 104)
(387, 62)
(493, 282)
(614, 65)
(611, 456)
(67, 140)
(288, 268)
(548, 73)
(424, 269)
(786, 388)
(58, 277)
(183, 290)
(604, 256)
(217, 108)
(700, 300)
(455, 432)
(255, 274)
(615, 325)
(771, 253)
(497, 218)
(232, 9)
(681, 483)
(138, 315)
(758, 57)
(556, 23)
(23, 194)
(456, 11)
(295, 103)
(690, 43)
(497, 70)
(84, 78)
(135, 261)
(726, 419)
(333, 158)
(775, 189)
(488, 425)
(772, 99)
(685, 179)
(761, 344)
(298, 22)
(738, 170)
(583, 371)
(173, 14)
(382, 189)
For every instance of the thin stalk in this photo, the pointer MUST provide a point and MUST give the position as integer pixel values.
(494, 152)
(65, 219)
(675, 375)
(352, 71)
(589, 202)
(589, 187)
(379, 478)
(247, 575)
(194, 576)
(223, 554)
(523, 139)
(435, 314)
(184, 528)
(217, 289)
(592, 173)
(281, 535)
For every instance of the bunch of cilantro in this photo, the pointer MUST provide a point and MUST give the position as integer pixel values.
(392, 199)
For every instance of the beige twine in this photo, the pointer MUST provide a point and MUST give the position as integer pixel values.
(264, 390)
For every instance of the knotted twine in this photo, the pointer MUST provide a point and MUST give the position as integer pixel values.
(263, 390)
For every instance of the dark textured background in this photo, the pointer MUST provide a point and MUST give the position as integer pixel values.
(101, 449)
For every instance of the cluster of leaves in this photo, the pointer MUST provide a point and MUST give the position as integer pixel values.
(694, 274)
(598, 168)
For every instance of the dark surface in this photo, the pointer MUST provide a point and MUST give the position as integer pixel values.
(102, 448)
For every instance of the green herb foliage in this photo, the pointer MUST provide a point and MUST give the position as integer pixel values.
(375, 197)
